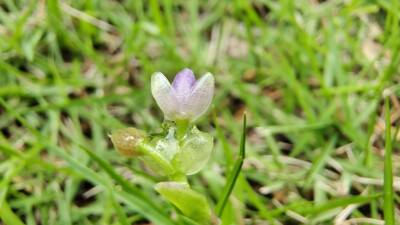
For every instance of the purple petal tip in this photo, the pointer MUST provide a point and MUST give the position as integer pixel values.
(184, 79)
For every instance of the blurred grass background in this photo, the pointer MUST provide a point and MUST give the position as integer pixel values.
(310, 74)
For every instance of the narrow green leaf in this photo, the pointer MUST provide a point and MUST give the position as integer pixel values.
(118, 209)
(337, 202)
(136, 202)
(128, 187)
(222, 139)
(368, 147)
(394, 136)
(257, 202)
(388, 201)
(230, 183)
(279, 129)
(320, 161)
(8, 216)
(157, 15)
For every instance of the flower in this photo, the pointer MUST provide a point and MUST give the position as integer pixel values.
(186, 98)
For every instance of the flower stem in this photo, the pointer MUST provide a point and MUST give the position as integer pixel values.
(181, 128)
(181, 178)
(147, 150)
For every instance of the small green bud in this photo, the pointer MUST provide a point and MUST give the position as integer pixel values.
(126, 141)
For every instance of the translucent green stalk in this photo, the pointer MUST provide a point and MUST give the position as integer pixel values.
(181, 128)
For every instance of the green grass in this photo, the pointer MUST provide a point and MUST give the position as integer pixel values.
(311, 76)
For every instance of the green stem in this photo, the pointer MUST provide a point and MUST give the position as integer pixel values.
(147, 150)
(179, 177)
(181, 128)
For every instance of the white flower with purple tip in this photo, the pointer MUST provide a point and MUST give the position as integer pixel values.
(186, 98)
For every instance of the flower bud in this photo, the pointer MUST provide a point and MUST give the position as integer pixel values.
(126, 141)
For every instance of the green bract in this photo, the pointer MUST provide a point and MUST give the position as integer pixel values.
(194, 151)
(190, 202)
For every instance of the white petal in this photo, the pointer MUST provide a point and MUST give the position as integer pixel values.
(163, 94)
(200, 98)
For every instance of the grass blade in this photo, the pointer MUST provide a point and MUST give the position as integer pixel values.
(339, 202)
(388, 204)
(222, 139)
(320, 161)
(234, 174)
(8, 215)
(128, 187)
(118, 209)
(135, 202)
